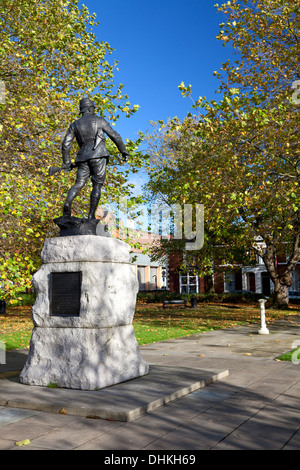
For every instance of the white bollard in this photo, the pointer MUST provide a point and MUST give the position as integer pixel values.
(2, 353)
(263, 330)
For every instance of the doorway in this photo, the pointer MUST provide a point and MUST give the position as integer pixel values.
(265, 282)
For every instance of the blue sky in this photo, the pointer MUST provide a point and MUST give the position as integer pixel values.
(158, 45)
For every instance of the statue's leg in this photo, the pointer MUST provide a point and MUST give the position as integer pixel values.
(81, 179)
(97, 168)
(95, 198)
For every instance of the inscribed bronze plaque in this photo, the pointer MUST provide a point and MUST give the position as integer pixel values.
(65, 292)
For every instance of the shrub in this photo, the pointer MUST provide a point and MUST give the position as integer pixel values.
(160, 296)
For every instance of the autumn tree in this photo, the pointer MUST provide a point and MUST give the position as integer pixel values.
(49, 59)
(239, 154)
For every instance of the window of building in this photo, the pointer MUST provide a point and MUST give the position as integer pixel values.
(141, 277)
(153, 278)
(188, 284)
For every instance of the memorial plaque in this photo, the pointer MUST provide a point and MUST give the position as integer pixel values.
(65, 292)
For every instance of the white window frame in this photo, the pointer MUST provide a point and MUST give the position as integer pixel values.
(187, 284)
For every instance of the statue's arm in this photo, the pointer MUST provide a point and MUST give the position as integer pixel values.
(67, 144)
(116, 138)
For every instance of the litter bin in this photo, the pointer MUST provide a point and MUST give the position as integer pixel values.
(194, 302)
(2, 307)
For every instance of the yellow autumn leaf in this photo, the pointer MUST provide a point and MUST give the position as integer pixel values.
(25, 442)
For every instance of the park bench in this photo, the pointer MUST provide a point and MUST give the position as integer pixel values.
(174, 302)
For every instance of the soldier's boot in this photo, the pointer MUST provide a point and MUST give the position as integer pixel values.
(93, 207)
(94, 201)
(67, 205)
(67, 209)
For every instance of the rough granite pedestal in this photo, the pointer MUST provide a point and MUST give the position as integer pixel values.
(95, 346)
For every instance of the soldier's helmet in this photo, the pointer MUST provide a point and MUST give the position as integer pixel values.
(84, 104)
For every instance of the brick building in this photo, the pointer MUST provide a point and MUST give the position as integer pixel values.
(167, 274)
(152, 275)
(243, 278)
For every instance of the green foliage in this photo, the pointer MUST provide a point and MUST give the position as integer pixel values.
(27, 299)
(239, 155)
(157, 296)
(160, 296)
(50, 58)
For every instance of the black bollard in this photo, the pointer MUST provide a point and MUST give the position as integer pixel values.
(2, 307)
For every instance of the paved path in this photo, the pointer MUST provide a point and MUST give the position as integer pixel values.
(255, 407)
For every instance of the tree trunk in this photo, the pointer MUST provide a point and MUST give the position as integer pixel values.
(281, 281)
(281, 295)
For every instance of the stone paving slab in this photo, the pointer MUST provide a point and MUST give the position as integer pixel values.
(256, 406)
(126, 401)
(237, 341)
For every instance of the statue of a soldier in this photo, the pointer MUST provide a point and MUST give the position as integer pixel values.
(92, 156)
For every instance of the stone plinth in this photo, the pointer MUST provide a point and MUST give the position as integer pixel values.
(97, 347)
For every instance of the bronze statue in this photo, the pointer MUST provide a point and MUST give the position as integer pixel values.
(92, 156)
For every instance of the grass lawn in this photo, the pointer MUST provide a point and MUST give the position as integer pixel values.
(290, 356)
(16, 327)
(151, 322)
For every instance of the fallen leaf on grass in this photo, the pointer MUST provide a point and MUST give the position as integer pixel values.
(247, 354)
(25, 442)
(200, 355)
